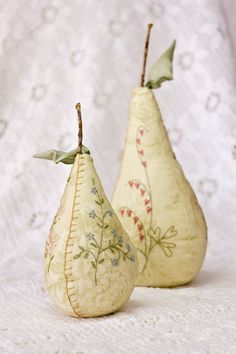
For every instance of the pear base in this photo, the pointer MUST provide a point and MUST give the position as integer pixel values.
(91, 315)
(168, 285)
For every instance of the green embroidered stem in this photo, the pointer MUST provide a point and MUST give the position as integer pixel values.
(101, 201)
(115, 245)
(49, 263)
(151, 235)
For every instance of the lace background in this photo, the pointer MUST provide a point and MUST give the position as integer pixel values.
(56, 53)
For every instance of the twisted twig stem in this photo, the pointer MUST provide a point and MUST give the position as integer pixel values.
(80, 128)
(149, 27)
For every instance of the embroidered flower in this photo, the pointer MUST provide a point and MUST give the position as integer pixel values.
(132, 258)
(120, 241)
(92, 214)
(128, 247)
(51, 243)
(90, 236)
(115, 262)
(60, 211)
(94, 190)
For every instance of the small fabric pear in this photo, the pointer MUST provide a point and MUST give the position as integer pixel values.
(90, 264)
(153, 199)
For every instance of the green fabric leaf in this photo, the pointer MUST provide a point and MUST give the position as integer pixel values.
(162, 70)
(61, 156)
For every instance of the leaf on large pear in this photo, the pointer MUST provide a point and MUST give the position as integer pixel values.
(61, 156)
(162, 70)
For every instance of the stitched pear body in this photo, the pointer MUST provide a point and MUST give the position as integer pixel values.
(156, 203)
(90, 264)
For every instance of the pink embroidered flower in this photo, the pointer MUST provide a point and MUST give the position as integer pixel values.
(144, 163)
(141, 131)
(141, 152)
(60, 211)
(51, 244)
(141, 237)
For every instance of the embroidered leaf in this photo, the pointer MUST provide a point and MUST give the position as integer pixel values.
(99, 202)
(78, 255)
(167, 248)
(101, 261)
(61, 156)
(93, 264)
(94, 245)
(82, 248)
(154, 233)
(168, 244)
(162, 70)
(86, 255)
(171, 232)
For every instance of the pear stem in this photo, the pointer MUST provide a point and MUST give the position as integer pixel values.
(80, 126)
(149, 27)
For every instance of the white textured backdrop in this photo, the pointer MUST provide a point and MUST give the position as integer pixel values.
(56, 53)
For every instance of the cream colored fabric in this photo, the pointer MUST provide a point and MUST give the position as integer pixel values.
(54, 53)
(90, 264)
(155, 202)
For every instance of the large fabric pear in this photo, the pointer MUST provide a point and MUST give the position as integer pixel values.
(90, 264)
(156, 203)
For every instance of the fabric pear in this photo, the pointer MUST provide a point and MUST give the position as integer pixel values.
(90, 263)
(153, 199)
(156, 203)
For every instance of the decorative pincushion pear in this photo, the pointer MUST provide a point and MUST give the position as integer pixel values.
(153, 199)
(90, 264)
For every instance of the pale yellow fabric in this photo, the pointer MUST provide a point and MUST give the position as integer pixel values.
(90, 265)
(155, 202)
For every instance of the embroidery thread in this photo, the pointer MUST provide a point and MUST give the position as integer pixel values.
(94, 252)
(151, 236)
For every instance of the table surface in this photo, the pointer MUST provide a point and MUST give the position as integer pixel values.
(198, 318)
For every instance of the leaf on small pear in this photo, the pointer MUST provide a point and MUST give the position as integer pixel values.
(61, 156)
(101, 261)
(93, 264)
(162, 70)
